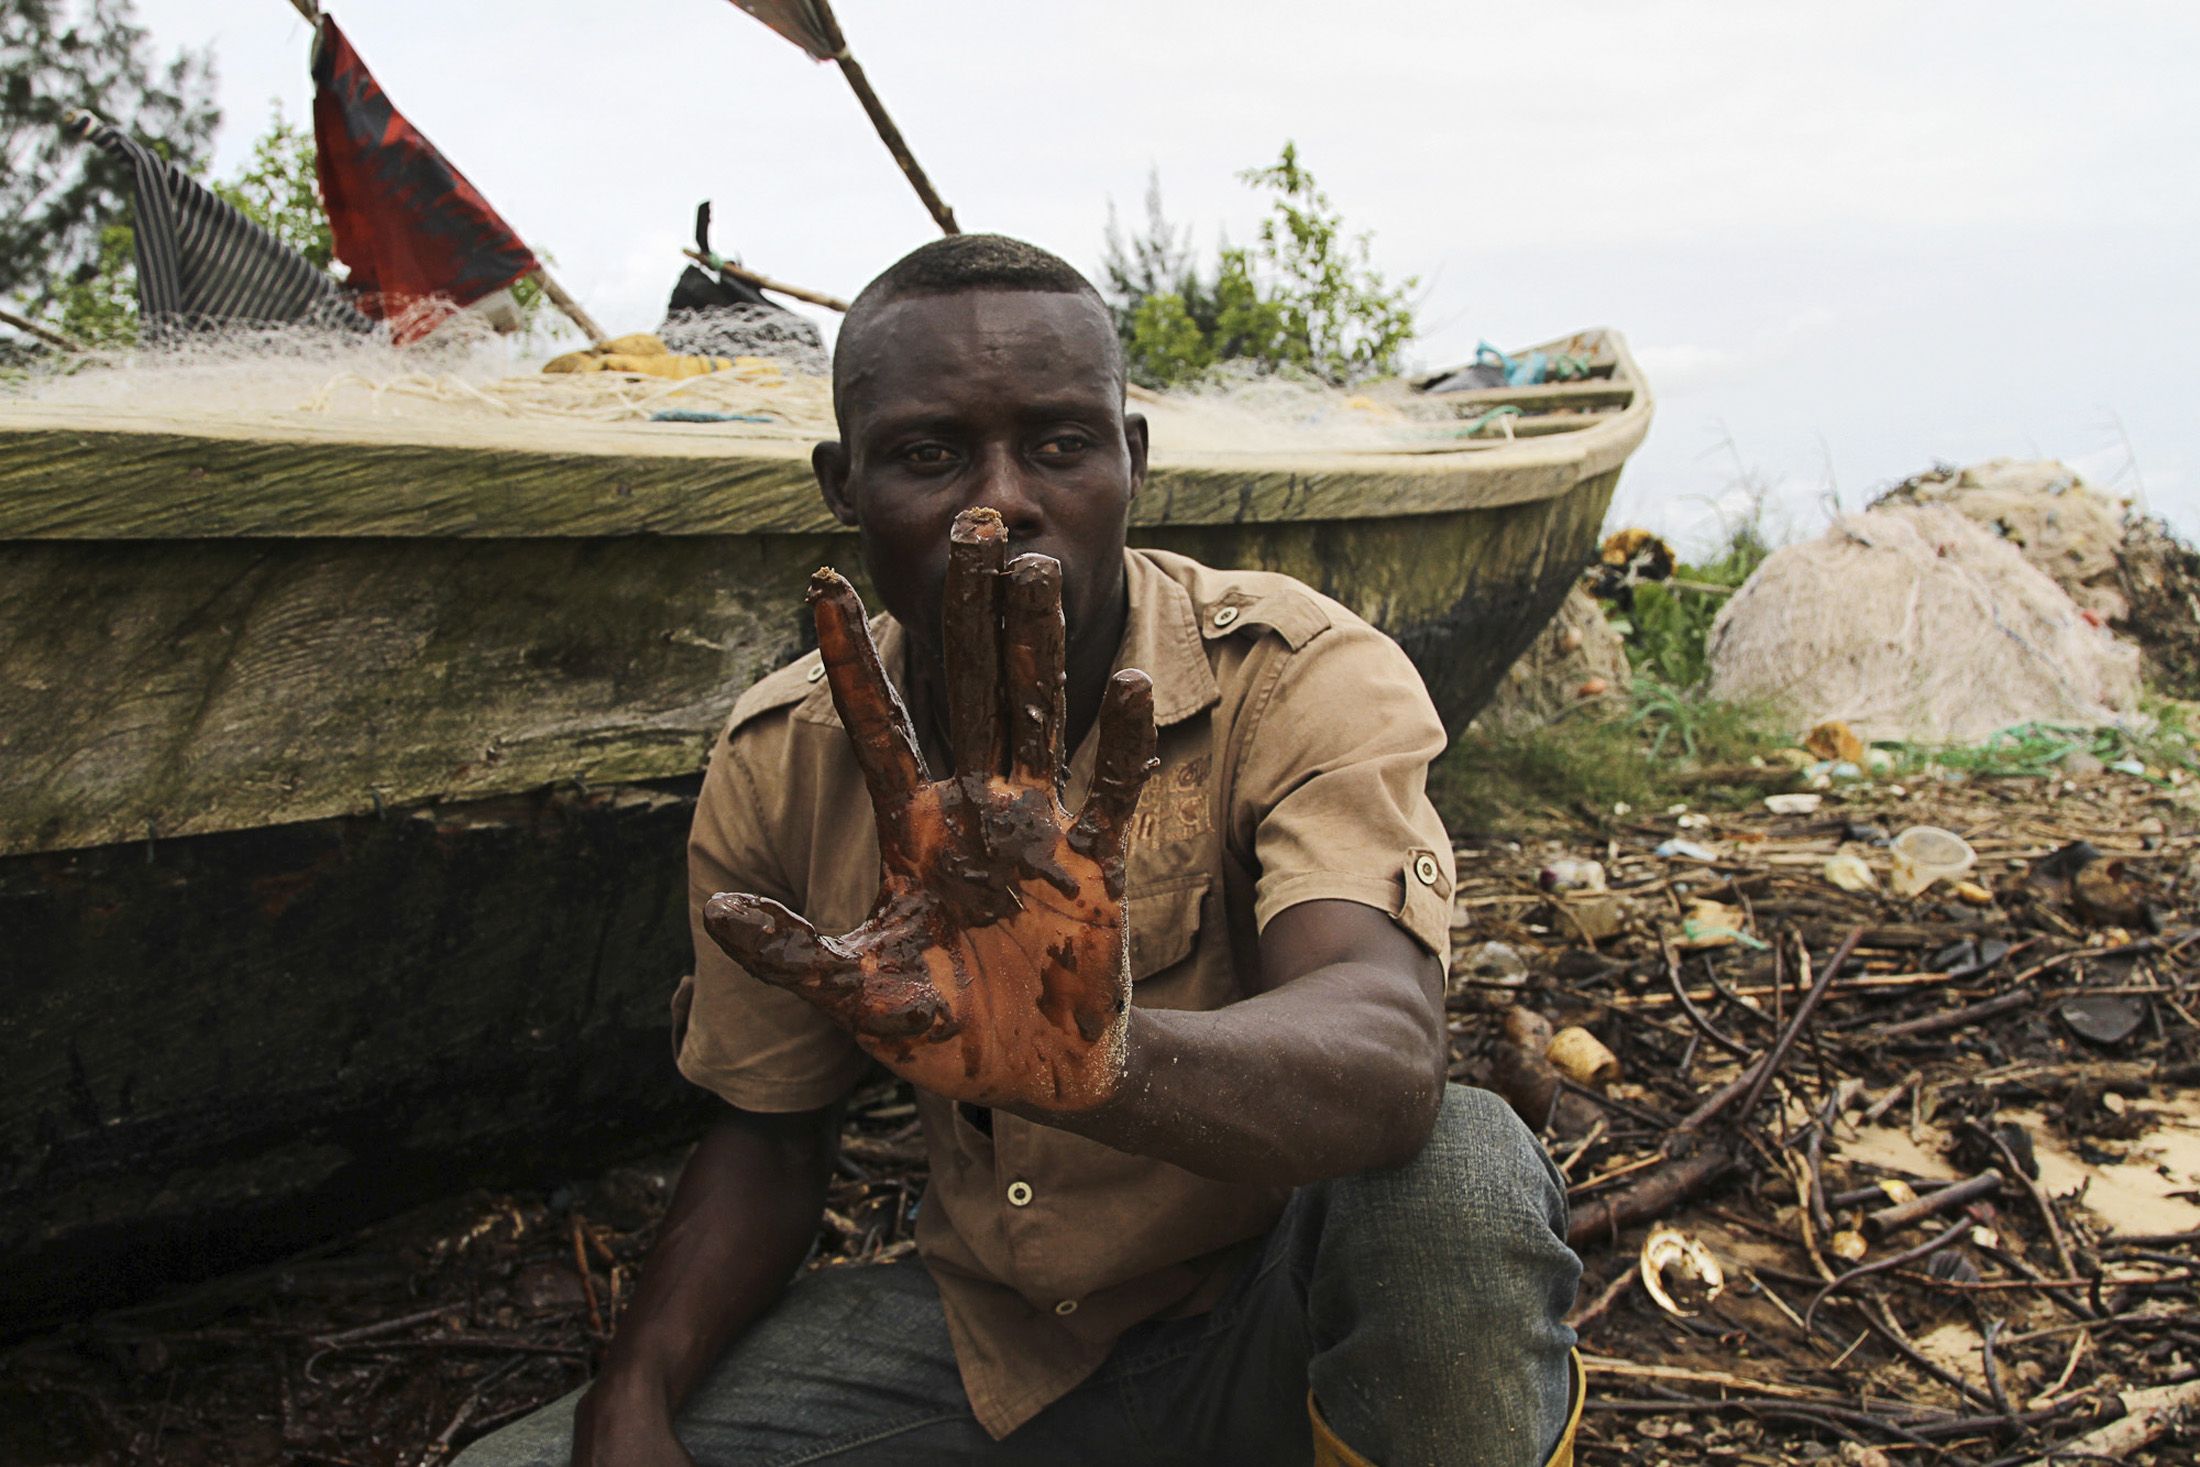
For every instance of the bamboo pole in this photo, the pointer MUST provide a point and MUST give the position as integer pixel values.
(44, 333)
(571, 307)
(765, 282)
(887, 132)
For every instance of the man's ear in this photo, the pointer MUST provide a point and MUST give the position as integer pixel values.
(829, 462)
(1135, 438)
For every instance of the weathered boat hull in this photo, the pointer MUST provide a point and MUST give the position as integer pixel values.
(343, 787)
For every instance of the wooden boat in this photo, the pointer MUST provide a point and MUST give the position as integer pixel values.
(344, 776)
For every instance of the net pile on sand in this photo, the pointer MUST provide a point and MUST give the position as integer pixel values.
(1916, 623)
(2065, 528)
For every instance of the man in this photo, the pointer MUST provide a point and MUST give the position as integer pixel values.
(1238, 1217)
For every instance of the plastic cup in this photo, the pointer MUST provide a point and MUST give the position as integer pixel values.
(1924, 854)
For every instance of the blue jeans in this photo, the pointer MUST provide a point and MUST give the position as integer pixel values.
(1424, 1306)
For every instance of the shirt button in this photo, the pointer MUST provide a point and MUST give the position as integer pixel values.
(1067, 1306)
(817, 673)
(1425, 869)
(1225, 616)
(1019, 1194)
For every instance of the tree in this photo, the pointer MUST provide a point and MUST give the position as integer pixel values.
(58, 198)
(279, 189)
(1304, 297)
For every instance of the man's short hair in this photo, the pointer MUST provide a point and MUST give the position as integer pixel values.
(953, 265)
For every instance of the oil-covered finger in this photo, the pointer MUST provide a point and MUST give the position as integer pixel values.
(778, 946)
(1031, 661)
(971, 626)
(871, 711)
(899, 1008)
(1122, 762)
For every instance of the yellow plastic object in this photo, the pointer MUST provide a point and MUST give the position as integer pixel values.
(646, 355)
(1330, 1450)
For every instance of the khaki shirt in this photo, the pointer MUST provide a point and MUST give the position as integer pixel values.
(1294, 746)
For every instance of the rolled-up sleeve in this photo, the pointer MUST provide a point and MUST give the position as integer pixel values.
(1332, 783)
(758, 1047)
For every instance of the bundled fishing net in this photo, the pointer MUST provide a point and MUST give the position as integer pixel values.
(295, 377)
(742, 330)
(2066, 529)
(1917, 623)
(287, 379)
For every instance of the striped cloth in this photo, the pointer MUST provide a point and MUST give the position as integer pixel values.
(202, 263)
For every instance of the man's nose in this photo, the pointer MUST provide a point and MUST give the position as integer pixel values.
(1004, 483)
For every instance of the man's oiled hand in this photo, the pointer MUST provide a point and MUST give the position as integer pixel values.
(994, 967)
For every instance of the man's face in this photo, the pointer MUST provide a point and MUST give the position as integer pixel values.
(1008, 399)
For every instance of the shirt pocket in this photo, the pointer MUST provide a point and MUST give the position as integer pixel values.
(1165, 917)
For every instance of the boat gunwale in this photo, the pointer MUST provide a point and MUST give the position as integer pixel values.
(219, 484)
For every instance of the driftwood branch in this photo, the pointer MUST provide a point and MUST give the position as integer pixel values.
(1653, 1197)
(44, 333)
(557, 296)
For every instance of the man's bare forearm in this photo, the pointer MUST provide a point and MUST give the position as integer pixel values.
(744, 1214)
(1337, 1069)
(1264, 1092)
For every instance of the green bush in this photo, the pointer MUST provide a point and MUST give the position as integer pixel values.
(1669, 626)
(1668, 747)
(1303, 298)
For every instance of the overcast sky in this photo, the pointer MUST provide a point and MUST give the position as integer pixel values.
(1845, 240)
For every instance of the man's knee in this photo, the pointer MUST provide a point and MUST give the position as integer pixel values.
(1438, 1295)
(1480, 1170)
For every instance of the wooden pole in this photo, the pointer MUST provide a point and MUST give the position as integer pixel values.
(44, 333)
(309, 9)
(571, 307)
(765, 282)
(887, 132)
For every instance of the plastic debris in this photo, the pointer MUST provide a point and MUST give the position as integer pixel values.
(1851, 873)
(1692, 1265)
(1835, 742)
(1794, 804)
(1491, 971)
(1685, 850)
(1709, 924)
(1572, 873)
(1582, 1058)
(2105, 1019)
(1924, 854)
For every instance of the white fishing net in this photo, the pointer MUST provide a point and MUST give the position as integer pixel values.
(2066, 528)
(1917, 623)
(296, 379)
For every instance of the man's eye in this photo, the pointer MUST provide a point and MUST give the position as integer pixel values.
(927, 455)
(1061, 445)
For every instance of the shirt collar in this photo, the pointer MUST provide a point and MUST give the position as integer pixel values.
(1161, 638)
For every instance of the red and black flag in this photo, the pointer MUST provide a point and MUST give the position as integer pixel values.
(202, 263)
(415, 233)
